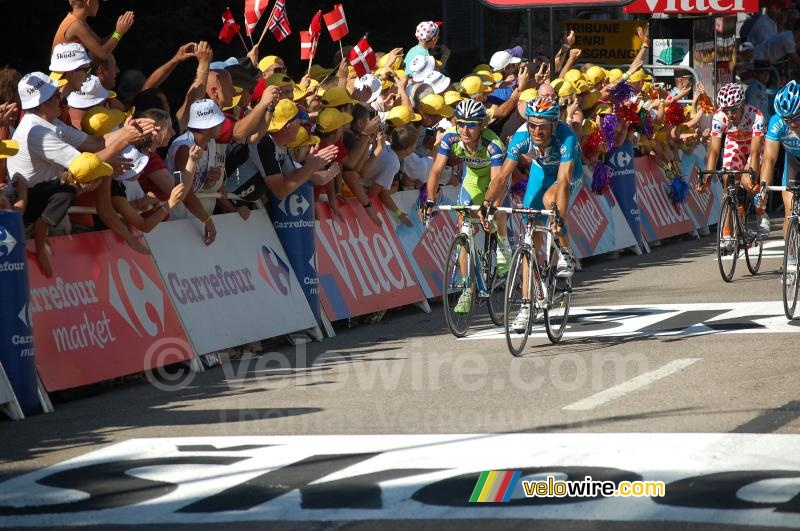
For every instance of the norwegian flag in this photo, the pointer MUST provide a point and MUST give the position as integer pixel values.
(229, 27)
(336, 23)
(362, 58)
(315, 28)
(253, 9)
(308, 46)
(278, 22)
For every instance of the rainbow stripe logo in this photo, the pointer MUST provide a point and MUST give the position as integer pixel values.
(495, 486)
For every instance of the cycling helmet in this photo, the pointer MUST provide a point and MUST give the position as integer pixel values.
(787, 100)
(730, 95)
(543, 107)
(470, 110)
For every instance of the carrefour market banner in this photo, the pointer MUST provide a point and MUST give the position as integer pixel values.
(102, 315)
(362, 267)
(237, 290)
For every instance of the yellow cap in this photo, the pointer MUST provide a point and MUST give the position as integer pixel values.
(582, 86)
(573, 75)
(278, 79)
(528, 95)
(400, 73)
(482, 66)
(101, 120)
(595, 75)
(285, 111)
(269, 61)
(383, 62)
(400, 115)
(614, 74)
(563, 88)
(298, 92)
(303, 138)
(589, 126)
(386, 84)
(451, 97)
(590, 99)
(8, 148)
(331, 119)
(434, 104)
(336, 96)
(88, 167)
(473, 84)
(602, 108)
(490, 76)
(637, 76)
(320, 72)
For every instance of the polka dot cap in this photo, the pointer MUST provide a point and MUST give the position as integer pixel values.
(426, 30)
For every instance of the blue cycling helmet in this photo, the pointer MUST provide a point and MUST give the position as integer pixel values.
(543, 107)
(470, 110)
(787, 100)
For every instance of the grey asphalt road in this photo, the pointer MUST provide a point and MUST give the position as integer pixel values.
(659, 346)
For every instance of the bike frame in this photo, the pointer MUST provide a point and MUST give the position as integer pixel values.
(474, 256)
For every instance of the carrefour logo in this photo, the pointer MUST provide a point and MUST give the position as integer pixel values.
(294, 205)
(274, 271)
(621, 159)
(136, 297)
(7, 243)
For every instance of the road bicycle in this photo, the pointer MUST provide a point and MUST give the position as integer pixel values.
(741, 239)
(540, 291)
(470, 274)
(791, 269)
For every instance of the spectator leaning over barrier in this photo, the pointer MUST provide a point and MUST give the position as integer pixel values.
(156, 178)
(330, 129)
(194, 155)
(74, 29)
(47, 147)
(13, 196)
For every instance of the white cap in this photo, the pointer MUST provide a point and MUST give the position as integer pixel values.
(68, 56)
(372, 83)
(420, 66)
(222, 65)
(502, 59)
(438, 81)
(34, 89)
(205, 114)
(746, 47)
(92, 93)
(138, 160)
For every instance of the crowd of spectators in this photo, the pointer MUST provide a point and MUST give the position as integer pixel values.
(80, 140)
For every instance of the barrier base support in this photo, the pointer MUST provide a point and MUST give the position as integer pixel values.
(424, 306)
(327, 327)
(646, 247)
(8, 401)
(635, 249)
(196, 365)
(44, 398)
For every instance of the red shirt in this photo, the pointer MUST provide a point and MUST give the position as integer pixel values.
(155, 164)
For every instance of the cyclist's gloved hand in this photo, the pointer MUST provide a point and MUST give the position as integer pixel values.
(428, 210)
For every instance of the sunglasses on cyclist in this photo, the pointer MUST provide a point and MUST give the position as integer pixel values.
(792, 120)
(539, 125)
(468, 125)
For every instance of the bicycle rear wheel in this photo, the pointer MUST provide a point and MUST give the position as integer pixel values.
(514, 300)
(458, 284)
(496, 284)
(789, 278)
(556, 312)
(753, 246)
(727, 246)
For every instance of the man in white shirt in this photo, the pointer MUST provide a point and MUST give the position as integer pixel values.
(780, 45)
(765, 27)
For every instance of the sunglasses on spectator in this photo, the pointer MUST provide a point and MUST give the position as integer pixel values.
(539, 125)
(468, 125)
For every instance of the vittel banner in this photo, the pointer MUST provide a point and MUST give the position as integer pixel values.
(101, 312)
(237, 290)
(362, 267)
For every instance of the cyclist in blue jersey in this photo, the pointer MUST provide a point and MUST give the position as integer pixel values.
(784, 130)
(556, 161)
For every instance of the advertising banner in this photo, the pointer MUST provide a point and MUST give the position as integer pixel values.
(293, 220)
(606, 41)
(660, 217)
(103, 314)
(237, 290)
(623, 184)
(16, 337)
(426, 247)
(694, 7)
(362, 267)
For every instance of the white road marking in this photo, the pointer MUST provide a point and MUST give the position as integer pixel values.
(631, 386)
(773, 249)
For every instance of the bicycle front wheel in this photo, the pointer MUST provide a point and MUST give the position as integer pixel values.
(520, 291)
(458, 291)
(790, 269)
(556, 312)
(753, 246)
(727, 241)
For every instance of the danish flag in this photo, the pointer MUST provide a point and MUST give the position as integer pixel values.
(278, 22)
(253, 9)
(336, 22)
(229, 27)
(362, 58)
(308, 46)
(315, 28)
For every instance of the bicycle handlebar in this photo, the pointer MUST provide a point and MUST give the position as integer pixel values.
(526, 211)
(458, 208)
(726, 172)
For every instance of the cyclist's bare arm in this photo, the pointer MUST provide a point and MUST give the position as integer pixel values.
(771, 151)
(563, 178)
(714, 147)
(755, 155)
(499, 177)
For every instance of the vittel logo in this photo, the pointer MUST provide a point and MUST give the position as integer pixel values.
(136, 298)
(274, 271)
